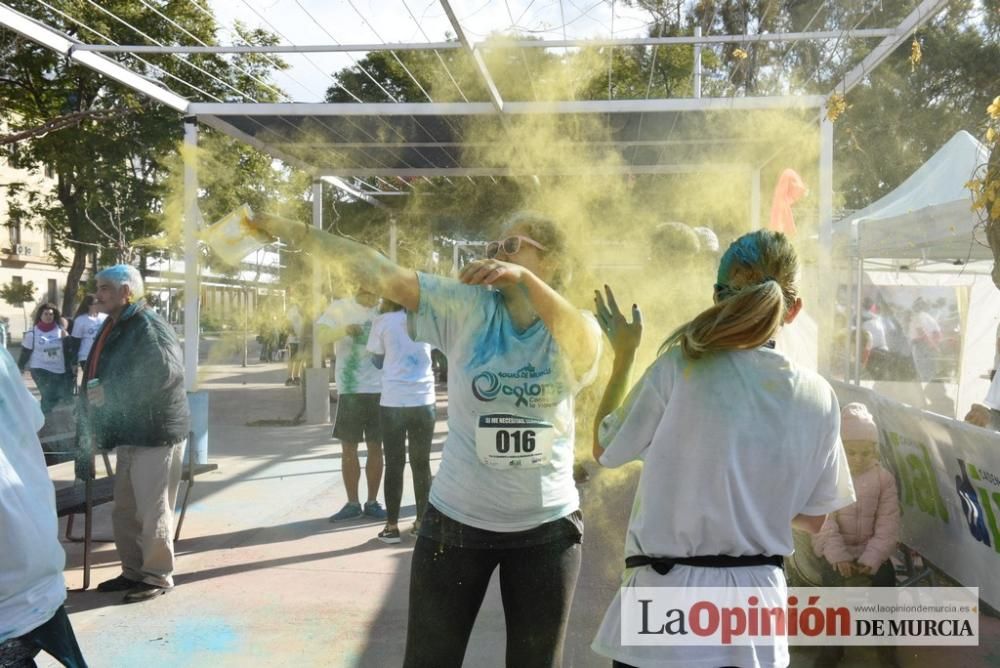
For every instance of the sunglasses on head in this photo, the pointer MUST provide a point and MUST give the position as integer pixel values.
(511, 245)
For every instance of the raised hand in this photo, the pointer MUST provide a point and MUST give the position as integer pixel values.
(623, 335)
(492, 272)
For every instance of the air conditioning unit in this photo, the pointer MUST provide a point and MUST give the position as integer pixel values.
(22, 249)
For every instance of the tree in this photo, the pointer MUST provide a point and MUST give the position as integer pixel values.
(986, 186)
(18, 294)
(108, 145)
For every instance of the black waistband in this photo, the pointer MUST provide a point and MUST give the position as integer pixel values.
(662, 565)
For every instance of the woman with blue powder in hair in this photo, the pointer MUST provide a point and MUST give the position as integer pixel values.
(504, 495)
(738, 446)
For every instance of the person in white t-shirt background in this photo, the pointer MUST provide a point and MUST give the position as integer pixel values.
(43, 354)
(296, 359)
(720, 410)
(348, 323)
(408, 412)
(86, 324)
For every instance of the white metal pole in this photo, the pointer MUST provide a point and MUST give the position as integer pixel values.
(697, 63)
(827, 289)
(192, 282)
(317, 379)
(858, 343)
(316, 272)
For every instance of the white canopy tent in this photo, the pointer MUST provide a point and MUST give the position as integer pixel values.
(923, 235)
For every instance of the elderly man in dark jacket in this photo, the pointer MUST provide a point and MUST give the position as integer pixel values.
(135, 402)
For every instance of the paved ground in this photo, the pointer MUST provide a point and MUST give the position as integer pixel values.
(265, 580)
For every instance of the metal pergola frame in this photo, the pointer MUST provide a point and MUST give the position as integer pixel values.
(249, 121)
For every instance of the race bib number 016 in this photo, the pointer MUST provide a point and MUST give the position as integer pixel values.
(512, 441)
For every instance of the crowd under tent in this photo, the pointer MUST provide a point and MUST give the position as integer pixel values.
(924, 241)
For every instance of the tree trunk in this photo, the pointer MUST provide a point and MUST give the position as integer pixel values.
(73, 278)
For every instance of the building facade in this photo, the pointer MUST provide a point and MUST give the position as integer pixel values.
(25, 253)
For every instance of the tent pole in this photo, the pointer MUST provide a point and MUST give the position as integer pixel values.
(827, 290)
(857, 325)
(192, 287)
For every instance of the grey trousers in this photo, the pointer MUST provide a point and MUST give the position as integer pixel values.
(146, 483)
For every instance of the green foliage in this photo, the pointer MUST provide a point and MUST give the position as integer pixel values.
(17, 294)
(111, 169)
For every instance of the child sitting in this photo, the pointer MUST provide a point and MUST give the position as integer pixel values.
(858, 540)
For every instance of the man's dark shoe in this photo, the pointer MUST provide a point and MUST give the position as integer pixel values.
(120, 583)
(143, 591)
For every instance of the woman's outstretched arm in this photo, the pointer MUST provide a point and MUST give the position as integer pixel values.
(365, 265)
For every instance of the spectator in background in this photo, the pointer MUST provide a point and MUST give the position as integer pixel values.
(408, 412)
(877, 359)
(295, 360)
(348, 323)
(135, 401)
(708, 241)
(925, 339)
(43, 353)
(32, 589)
(4, 332)
(858, 540)
(86, 324)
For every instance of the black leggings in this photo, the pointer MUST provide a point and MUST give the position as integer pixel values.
(447, 586)
(54, 637)
(417, 422)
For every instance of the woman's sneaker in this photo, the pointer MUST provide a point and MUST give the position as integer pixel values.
(388, 535)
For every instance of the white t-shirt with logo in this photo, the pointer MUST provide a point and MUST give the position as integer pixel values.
(46, 349)
(514, 387)
(85, 328)
(733, 446)
(354, 371)
(407, 379)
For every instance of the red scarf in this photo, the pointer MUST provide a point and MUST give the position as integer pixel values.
(46, 327)
(95, 352)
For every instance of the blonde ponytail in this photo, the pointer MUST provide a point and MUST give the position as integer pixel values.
(757, 285)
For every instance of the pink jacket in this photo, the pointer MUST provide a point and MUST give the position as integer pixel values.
(867, 530)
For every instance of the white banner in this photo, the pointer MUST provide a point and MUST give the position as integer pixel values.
(948, 477)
